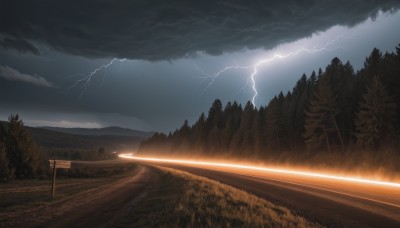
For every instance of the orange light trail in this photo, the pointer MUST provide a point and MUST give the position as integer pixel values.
(263, 169)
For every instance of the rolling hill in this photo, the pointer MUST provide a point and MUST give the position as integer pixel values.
(117, 131)
(70, 140)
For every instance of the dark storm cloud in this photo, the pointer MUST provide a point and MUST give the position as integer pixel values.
(14, 75)
(19, 44)
(158, 30)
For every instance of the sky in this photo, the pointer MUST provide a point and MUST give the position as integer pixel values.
(150, 65)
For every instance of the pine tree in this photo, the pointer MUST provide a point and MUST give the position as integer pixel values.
(182, 137)
(6, 172)
(233, 120)
(259, 132)
(373, 63)
(242, 139)
(376, 116)
(215, 116)
(320, 123)
(341, 78)
(22, 152)
(246, 128)
(273, 124)
(227, 132)
(312, 80)
(200, 133)
(300, 96)
(287, 122)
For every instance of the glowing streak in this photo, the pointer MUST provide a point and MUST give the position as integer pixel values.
(87, 78)
(263, 169)
(314, 50)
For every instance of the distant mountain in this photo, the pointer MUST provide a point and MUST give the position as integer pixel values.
(116, 131)
(72, 139)
(61, 140)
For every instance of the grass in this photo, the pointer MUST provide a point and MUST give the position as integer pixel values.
(21, 197)
(185, 200)
(98, 169)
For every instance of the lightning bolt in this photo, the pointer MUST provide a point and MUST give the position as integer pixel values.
(214, 76)
(86, 79)
(276, 56)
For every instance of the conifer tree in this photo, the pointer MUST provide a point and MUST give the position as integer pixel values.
(22, 152)
(376, 116)
(234, 117)
(6, 172)
(320, 123)
(273, 124)
(299, 101)
(287, 122)
(215, 117)
(200, 133)
(259, 131)
(373, 63)
(243, 136)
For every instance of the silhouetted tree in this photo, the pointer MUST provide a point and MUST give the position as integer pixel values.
(375, 119)
(233, 115)
(320, 121)
(215, 116)
(200, 134)
(372, 64)
(22, 152)
(287, 122)
(273, 124)
(259, 125)
(244, 138)
(6, 172)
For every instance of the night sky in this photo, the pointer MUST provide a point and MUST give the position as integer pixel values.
(165, 53)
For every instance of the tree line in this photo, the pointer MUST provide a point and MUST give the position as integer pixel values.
(335, 110)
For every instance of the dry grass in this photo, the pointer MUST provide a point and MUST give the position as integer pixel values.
(22, 197)
(185, 200)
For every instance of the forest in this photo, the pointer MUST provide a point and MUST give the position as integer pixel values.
(331, 117)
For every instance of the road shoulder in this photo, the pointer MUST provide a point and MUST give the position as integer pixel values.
(181, 199)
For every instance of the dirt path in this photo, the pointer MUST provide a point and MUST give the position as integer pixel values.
(104, 205)
(92, 208)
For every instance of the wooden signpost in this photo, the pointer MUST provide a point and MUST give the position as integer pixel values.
(57, 164)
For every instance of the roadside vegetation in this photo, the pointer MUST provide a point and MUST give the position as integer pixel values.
(184, 200)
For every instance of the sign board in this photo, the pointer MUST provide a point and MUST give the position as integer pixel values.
(57, 164)
(60, 164)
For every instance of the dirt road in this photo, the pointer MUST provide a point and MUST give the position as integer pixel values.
(93, 208)
(101, 207)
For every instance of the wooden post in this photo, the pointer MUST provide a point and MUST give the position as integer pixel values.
(53, 185)
(57, 164)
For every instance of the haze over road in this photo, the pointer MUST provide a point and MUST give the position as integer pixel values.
(327, 200)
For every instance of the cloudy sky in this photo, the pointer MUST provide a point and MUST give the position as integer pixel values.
(149, 65)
